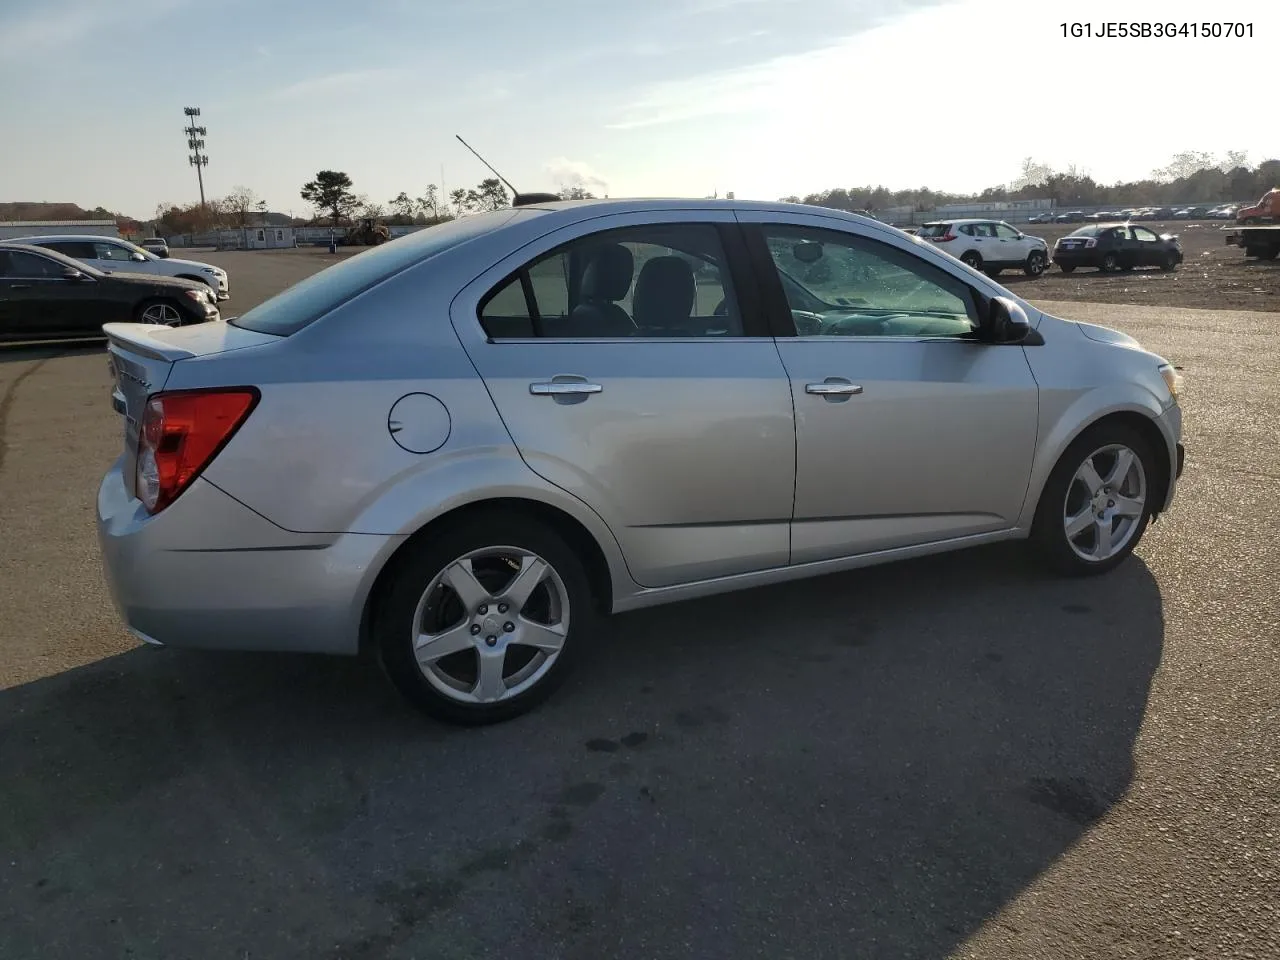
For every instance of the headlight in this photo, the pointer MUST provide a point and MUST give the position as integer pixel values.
(209, 270)
(199, 296)
(1172, 379)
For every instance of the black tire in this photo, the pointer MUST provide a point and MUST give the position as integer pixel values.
(972, 258)
(1067, 268)
(139, 314)
(1170, 263)
(1268, 253)
(1110, 263)
(392, 617)
(1036, 264)
(1048, 533)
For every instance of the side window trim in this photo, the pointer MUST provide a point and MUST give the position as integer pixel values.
(774, 297)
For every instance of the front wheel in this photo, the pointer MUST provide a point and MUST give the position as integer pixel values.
(480, 622)
(1097, 502)
(1035, 265)
(159, 312)
(1170, 263)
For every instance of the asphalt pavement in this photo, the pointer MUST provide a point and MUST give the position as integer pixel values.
(954, 757)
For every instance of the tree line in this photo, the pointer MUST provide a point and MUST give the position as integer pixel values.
(1190, 177)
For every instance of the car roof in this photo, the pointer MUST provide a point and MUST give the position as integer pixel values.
(68, 236)
(607, 206)
(963, 220)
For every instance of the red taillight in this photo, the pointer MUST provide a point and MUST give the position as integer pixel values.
(945, 237)
(181, 433)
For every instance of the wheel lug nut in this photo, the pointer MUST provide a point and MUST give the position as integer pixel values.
(491, 640)
(484, 608)
(475, 628)
(508, 626)
(502, 608)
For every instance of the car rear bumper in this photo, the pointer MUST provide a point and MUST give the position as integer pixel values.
(1073, 258)
(209, 573)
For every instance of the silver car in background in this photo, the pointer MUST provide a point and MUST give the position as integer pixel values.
(465, 446)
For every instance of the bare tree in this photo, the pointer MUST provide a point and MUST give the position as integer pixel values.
(240, 205)
(429, 202)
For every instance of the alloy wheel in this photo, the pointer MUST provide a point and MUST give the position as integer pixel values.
(1105, 502)
(162, 314)
(491, 624)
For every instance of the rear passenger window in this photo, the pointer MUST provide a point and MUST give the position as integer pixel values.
(77, 249)
(652, 281)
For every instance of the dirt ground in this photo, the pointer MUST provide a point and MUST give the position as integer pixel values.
(1212, 277)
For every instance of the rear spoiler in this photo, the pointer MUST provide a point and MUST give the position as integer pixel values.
(145, 340)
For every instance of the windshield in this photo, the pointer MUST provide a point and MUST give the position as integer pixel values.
(310, 299)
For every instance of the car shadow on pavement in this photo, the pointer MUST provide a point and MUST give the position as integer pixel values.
(869, 764)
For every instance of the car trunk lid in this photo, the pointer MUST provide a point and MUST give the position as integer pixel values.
(141, 357)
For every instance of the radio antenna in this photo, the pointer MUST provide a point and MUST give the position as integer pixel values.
(488, 164)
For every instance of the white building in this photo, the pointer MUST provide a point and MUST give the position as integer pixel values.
(43, 228)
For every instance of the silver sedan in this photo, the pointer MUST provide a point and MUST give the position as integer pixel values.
(464, 447)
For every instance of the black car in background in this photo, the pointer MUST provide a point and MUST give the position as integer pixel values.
(45, 295)
(1117, 246)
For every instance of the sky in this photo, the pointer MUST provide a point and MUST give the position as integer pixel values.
(765, 98)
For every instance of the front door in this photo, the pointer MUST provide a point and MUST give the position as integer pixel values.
(630, 370)
(909, 429)
(1014, 246)
(1148, 251)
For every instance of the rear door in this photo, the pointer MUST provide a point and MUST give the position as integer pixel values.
(630, 362)
(32, 301)
(982, 238)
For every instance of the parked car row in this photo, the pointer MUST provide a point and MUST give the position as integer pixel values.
(45, 295)
(111, 253)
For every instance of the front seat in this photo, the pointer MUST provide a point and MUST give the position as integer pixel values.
(664, 297)
(606, 280)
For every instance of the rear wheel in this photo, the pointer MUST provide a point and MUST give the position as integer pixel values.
(973, 259)
(159, 312)
(1110, 263)
(480, 622)
(1036, 264)
(1096, 504)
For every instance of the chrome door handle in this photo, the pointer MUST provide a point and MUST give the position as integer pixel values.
(832, 387)
(555, 388)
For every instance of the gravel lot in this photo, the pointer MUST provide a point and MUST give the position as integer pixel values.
(957, 757)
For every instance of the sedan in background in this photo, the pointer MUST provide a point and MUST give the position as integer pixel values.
(461, 450)
(1111, 247)
(1073, 216)
(109, 254)
(156, 245)
(45, 296)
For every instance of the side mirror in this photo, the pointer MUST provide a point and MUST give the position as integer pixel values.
(1007, 322)
(137, 258)
(71, 273)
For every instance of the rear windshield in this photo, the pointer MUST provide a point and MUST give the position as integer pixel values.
(310, 299)
(934, 230)
(1090, 231)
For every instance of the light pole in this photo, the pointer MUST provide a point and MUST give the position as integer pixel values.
(195, 142)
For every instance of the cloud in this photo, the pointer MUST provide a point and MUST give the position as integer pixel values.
(59, 26)
(568, 173)
(333, 83)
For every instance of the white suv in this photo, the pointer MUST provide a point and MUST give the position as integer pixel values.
(111, 254)
(989, 245)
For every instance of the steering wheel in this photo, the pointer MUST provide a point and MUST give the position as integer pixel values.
(807, 324)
